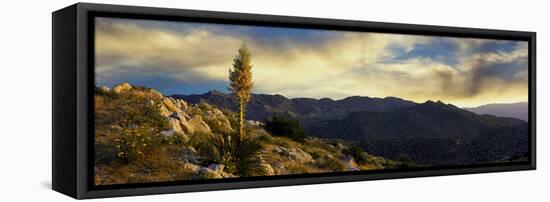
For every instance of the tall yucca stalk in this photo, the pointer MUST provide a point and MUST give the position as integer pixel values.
(240, 77)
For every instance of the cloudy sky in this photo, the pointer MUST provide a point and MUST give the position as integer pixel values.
(191, 58)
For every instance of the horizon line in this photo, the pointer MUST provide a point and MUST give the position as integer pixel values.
(290, 97)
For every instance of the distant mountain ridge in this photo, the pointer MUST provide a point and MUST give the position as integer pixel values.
(519, 110)
(430, 133)
(306, 109)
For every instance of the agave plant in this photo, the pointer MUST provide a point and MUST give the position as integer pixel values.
(239, 155)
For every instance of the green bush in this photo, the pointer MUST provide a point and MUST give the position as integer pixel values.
(358, 154)
(287, 127)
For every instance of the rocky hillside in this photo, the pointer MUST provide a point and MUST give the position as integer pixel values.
(142, 136)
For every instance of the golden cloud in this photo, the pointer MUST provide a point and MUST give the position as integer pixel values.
(349, 64)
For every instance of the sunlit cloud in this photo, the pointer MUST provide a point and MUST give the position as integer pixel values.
(184, 58)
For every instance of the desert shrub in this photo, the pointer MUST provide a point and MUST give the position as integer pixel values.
(200, 141)
(206, 176)
(127, 110)
(358, 154)
(130, 122)
(131, 144)
(315, 152)
(297, 168)
(155, 166)
(170, 140)
(265, 138)
(231, 116)
(329, 163)
(193, 111)
(240, 156)
(204, 106)
(280, 126)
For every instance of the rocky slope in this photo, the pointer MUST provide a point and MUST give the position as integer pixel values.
(143, 136)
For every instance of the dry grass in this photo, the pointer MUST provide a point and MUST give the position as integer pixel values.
(157, 166)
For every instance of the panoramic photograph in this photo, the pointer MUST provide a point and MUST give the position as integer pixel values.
(187, 101)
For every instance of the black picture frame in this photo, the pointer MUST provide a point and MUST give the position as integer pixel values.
(73, 87)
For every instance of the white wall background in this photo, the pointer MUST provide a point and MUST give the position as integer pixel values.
(25, 102)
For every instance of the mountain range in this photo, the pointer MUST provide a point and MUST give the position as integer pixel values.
(517, 110)
(307, 110)
(430, 133)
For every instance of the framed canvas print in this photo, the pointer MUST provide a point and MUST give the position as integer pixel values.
(154, 100)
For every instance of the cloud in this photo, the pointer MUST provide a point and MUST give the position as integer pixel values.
(311, 63)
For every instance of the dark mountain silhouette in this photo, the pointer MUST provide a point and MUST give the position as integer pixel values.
(518, 110)
(306, 109)
(429, 119)
(430, 133)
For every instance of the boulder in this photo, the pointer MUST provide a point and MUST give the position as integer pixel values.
(188, 155)
(218, 168)
(207, 173)
(191, 167)
(180, 104)
(253, 123)
(295, 154)
(123, 87)
(175, 125)
(164, 111)
(215, 116)
(103, 89)
(168, 103)
(155, 93)
(195, 124)
(227, 175)
(182, 117)
(174, 128)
